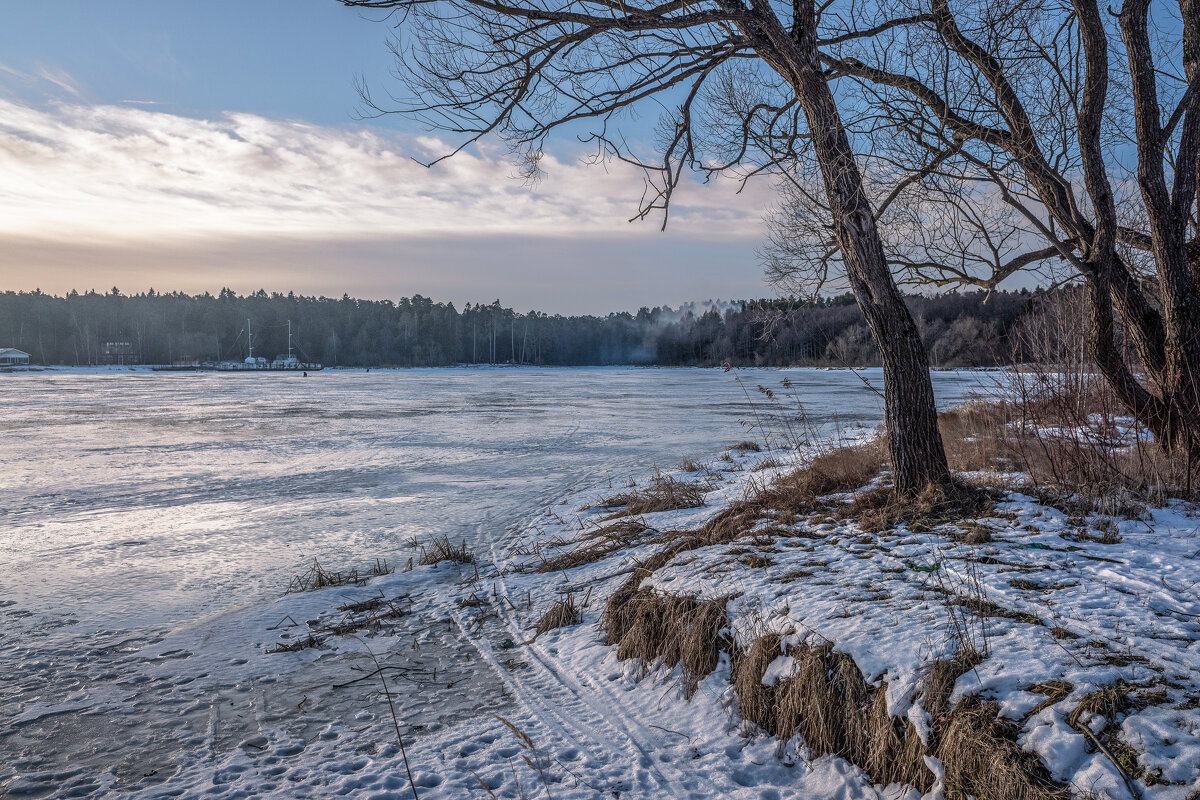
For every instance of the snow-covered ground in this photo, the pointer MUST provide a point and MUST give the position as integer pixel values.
(151, 701)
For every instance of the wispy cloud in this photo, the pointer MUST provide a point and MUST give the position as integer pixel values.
(113, 171)
(59, 78)
(42, 75)
(92, 196)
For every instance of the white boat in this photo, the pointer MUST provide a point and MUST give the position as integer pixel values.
(282, 363)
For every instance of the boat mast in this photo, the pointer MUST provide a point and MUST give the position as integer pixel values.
(289, 340)
(249, 340)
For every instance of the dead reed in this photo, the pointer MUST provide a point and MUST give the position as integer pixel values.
(663, 630)
(370, 614)
(561, 614)
(1070, 443)
(595, 545)
(825, 699)
(318, 577)
(663, 494)
(882, 508)
(442, 549)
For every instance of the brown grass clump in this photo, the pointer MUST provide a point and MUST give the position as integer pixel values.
(882, 508)
(663, 494)
(748, 445)
(940, 678)
(829, 703)
(837, 471)
(443, 549)
(845, 469)
(666, 630)
(597, 544)
(561, 614)
(977, 534)
(826, 702)
(894, 752)
(1109, 702)
(1065, 439)
(756, 701)
(984, 760)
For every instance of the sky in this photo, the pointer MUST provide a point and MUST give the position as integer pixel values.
(196, 146)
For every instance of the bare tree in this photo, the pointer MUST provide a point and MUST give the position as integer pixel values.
(1009, 135)
(743, 90)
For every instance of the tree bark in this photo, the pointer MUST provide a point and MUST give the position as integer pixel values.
(914, 439)
(1167, 212)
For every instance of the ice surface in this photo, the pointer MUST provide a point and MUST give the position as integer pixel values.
(150, 523)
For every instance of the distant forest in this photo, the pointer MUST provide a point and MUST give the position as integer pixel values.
(959, 329)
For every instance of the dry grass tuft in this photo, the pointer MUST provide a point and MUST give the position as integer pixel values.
(827, 701)
(748, 446)
(940, 676)
(894, 753)
(883, 508)
(663, 494)
(1109, 702)
(838, 471)
(317, 577)
(977, 534)
(1066, 441)
(756, 701)
(841, 470)
(443, 549)
(666, 630)
(561, 614)
(597, 544)
(844, 469)
(984, 760)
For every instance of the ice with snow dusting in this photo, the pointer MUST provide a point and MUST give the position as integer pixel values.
(1067, 608)
(154, 521)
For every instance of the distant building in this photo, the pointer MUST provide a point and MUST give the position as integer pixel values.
(11, 357)
(120, 353)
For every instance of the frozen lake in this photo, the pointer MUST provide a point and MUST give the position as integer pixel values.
(142, 508)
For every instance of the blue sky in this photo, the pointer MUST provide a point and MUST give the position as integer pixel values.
(197, 145)
(296, 58)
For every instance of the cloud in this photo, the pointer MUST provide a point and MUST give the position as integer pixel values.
(105, 172)
(100, 194)
(59, 78)
(42, 75)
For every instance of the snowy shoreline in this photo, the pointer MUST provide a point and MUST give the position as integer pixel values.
(142, 369)
(593, 725)
(1058, 606)
(488, 709)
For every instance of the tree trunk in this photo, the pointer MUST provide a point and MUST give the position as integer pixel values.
(1167, 213)
(915, 442)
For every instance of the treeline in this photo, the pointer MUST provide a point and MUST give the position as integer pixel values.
(961, 329)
